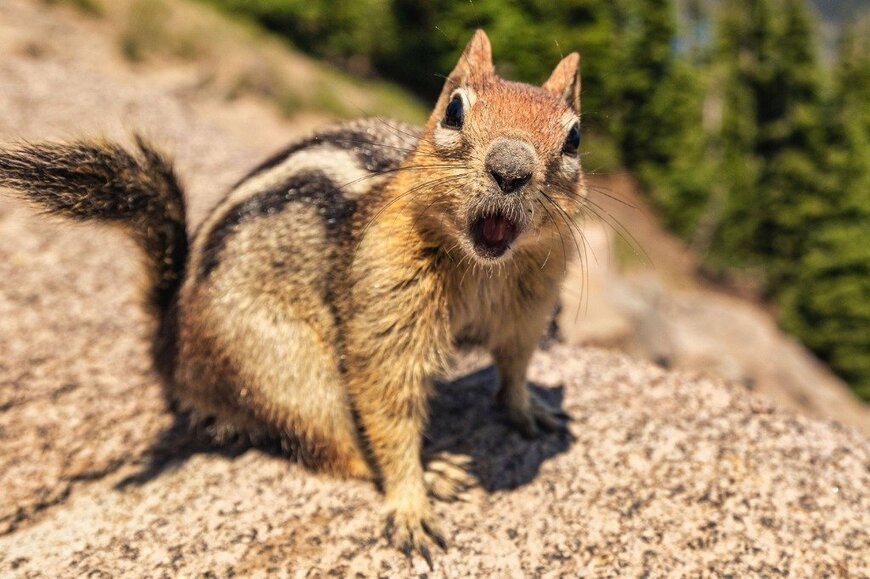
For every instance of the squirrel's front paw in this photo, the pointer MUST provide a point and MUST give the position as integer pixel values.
(536, 417)
(411, 531)
(447, 477)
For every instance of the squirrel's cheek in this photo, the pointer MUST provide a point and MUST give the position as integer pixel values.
(569, 168)
(447, 140)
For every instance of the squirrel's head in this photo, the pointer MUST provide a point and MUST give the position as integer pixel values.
(505, 155)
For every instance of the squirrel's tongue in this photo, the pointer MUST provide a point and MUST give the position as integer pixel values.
(495, 229)
(492, 235)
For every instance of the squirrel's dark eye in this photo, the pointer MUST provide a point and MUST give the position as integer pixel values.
(572, 141)
(454, 114)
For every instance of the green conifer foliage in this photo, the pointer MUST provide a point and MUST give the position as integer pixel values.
(351, 32)
(770, 135)
(828, 305)
(656, 103)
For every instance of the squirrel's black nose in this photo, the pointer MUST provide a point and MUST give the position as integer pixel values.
(511, 163)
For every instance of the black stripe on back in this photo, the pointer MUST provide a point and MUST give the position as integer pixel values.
(374, 156)
(310, 186)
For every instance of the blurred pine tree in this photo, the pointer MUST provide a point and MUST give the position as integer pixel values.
(771, 134)
(656, 101)
(828, 303)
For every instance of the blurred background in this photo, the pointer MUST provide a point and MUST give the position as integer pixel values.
(728, 145)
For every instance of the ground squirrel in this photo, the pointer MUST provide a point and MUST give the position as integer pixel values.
(321, 296)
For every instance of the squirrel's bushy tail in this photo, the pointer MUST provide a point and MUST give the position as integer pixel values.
(102, 181)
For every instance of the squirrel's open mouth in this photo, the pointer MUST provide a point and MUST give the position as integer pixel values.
(492, 235)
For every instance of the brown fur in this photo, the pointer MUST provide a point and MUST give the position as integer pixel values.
(322, 296)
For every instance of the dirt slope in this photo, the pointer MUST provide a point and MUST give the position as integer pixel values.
(667, 473)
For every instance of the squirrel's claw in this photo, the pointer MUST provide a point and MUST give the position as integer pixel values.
(446, 477)
(537, 417)
(411, 534)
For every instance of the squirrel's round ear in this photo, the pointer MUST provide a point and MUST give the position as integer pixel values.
(476, 59)
(565, 80)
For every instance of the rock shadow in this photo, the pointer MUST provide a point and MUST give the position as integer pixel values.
(465, 419)
(176, 445)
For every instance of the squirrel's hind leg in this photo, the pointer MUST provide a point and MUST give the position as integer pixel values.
(299, 390)
(275, 375)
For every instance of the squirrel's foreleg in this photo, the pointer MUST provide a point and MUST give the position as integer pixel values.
(512, 353)
(397, 338)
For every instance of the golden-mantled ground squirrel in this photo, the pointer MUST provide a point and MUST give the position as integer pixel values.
(321, 296)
